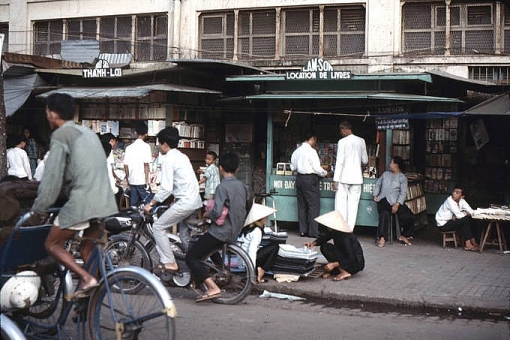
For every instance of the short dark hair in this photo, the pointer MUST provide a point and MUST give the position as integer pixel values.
(61, 103)
(141, 129)
(212, 153)
(170, 136)
(309, 134)
(14, 140)
(230, 162)
(345, 124)
(400, 162)
(107, 137)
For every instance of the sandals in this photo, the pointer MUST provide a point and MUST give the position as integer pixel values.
(205, 297)
(84, 293)
(471, 249)
(161, 268)
(405, 240)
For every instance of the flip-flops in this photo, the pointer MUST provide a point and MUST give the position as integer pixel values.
(84, 292)
(206, 297)
(471, 249)
(160, 269)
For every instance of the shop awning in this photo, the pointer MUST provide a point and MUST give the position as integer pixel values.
(496, 106)
(125, 92)
(18, 89)
(354, 95)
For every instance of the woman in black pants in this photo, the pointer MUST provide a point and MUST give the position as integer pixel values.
(263, 258)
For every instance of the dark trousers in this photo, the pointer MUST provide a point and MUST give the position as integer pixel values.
(139, 194)
(463, 224)
(205, 244)
(405, 219)
(333, 254)
(266, 256)
(308, 203)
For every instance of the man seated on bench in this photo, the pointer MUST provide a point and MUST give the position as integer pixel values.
(455, 214)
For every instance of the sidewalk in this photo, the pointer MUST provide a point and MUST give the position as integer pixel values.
(424, 275)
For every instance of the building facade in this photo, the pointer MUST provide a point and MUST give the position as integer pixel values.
(469, 39)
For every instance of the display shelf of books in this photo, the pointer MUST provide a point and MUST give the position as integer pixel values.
(415, 196)
(401, 144)
(191, 135)
(440, 154)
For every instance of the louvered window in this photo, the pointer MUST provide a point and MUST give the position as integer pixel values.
(471, 28)
(493, 74)
(151, 37)
(344, 31)
(256, 37)
(217, 36)
(115, 35)
(301, 32)
(48, 36)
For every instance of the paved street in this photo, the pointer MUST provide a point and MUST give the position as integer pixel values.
(424, 275)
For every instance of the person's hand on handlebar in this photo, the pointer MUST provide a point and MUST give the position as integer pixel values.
(148, 207)
(34, 219)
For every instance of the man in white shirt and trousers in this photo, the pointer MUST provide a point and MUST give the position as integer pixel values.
(348, 178)
(306, 163)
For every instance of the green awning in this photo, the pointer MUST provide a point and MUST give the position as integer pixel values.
(356, 95)
(355, 77)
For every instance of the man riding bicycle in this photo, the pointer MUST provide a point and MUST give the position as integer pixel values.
(178, 179)
(75, 169)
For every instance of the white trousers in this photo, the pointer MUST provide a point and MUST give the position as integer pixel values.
(347, 200)
(175, 214)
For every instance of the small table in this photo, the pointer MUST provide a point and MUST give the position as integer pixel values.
(493, 220)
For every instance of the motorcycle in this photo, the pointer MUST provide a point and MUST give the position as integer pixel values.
(133, 243)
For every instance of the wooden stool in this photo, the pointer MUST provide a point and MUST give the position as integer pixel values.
(449, 236)
(394, 224)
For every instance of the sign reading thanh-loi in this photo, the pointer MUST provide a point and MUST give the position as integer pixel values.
(102, 70)
(316, 69)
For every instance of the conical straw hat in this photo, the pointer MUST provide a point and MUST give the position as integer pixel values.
(257, 212)
(334, 220)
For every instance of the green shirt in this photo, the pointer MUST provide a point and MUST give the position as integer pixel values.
(76, 166)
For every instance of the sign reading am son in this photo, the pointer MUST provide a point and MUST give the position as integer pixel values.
(317, 68)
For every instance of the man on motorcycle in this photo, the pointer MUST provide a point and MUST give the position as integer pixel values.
(178, 179)
(73, 167)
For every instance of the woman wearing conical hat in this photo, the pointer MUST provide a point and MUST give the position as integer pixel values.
(345, 256)
(263, 258)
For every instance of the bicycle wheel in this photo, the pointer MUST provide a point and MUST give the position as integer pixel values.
(231, 269)
(120, 255)
(48, 311)
(153, 253)
(117, 314)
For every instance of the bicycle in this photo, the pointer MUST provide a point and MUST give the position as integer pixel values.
(110, 311)
(9, 330)
(229, 266)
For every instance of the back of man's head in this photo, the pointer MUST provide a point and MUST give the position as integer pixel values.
(61, 103)
(229, 162)
(170, 136)
(141, 129)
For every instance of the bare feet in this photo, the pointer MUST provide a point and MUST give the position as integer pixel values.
(381, 242)
(344, 275)
(260, 275)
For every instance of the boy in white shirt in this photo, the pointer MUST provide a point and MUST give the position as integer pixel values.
(455, 214)
(18, 163)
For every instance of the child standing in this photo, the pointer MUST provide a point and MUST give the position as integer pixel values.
(211, 175)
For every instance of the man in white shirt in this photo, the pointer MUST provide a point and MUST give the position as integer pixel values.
(306, 163)
(178, 179)
(137, 157)
(18, 163)
(455, 214)
(348, 177)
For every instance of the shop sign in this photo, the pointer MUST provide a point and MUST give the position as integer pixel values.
(102, 70)
(285, 186)
(392, 123)
(317, 69)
